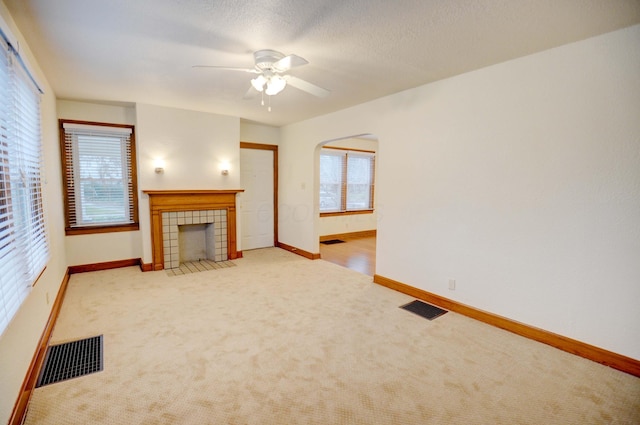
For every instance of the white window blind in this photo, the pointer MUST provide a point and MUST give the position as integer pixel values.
(360, 178)
(98, 173)
(346, 180)
(333, 167)
(24, 250)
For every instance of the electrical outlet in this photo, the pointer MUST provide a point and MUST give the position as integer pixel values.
(452, 284)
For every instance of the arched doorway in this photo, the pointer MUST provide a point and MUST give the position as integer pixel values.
(345, 199)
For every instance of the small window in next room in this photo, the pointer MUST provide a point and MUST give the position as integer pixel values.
(99, 174)
(346, 180)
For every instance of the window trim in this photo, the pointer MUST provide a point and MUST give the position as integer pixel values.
(98, 228)
(341, 213)
(344, 212)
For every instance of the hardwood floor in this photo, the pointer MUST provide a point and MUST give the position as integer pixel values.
(356, 253)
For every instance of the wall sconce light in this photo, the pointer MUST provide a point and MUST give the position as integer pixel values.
(159, 164)
(224, 168)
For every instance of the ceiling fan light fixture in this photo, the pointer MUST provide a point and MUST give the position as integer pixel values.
(275, 85)
(259, 82)
(271, 68)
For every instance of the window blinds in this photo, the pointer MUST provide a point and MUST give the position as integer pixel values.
(333, 180)
(98, 175)
(346, 180)
(360, 180)
(24, 248)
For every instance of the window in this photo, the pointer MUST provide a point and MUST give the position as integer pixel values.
(24, 249)
(346, 180)
(99, 177)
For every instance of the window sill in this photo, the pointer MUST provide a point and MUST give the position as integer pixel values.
(70, 231)
(340, 213)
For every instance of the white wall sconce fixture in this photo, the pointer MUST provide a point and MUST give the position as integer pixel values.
(159, 166)
(224, 168)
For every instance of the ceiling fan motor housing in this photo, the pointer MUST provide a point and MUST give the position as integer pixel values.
(266, 58)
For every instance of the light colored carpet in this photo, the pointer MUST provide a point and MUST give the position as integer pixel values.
(284, 340)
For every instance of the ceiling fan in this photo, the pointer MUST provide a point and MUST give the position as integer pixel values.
(271, 68)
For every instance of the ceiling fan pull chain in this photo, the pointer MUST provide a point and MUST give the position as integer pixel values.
(269, 108)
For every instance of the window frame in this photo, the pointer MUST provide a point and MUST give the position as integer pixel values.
(67, 187)
(344, 184)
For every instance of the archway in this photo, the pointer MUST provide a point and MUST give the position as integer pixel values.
(344, 206)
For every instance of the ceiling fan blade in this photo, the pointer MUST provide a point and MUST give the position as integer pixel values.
(306, 86)
(229, 68)
(288, 62)
(251, 93)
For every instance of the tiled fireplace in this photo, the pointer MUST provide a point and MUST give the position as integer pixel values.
(170, 209)
(212, 224)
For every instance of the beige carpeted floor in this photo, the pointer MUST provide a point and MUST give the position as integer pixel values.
(284, 340)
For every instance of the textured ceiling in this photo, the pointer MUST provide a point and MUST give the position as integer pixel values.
(143, 50)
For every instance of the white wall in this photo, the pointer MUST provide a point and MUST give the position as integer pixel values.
(19, 341)
(521, 181)
(193, 146)
(81, 249)
(349, 223)
(108, 112)
(259, 133)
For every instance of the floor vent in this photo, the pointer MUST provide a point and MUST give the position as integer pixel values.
(423, 309)
(332, 241)
(71, 360)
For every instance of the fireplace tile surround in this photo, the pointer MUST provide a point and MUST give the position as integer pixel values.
(170, 233)
(200, 203)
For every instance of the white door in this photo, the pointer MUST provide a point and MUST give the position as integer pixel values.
(256, 202)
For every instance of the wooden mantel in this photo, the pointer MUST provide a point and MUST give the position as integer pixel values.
(190, 200)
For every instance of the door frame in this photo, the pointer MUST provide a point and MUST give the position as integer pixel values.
(274, 149)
